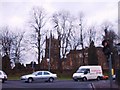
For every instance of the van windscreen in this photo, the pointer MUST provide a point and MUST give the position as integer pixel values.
(81, 70)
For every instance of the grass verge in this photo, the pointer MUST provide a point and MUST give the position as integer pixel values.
(18, 78)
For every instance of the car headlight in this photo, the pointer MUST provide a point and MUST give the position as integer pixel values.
(23, 77)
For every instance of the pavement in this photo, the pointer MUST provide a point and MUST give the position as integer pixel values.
(105, 85)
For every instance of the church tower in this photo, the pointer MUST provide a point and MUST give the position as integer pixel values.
(52, 50)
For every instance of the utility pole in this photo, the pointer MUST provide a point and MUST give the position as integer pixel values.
(0, 56)
(33, 65)
(49, 52)
(81, 41)
(110, 70)
(117, 77)
(0, 62)
(108, 53)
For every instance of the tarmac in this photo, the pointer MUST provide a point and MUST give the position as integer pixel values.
(105, 85)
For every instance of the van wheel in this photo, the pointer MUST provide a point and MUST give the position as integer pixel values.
(84, 79)
(3, 81)
(98, 78)
(76, 80)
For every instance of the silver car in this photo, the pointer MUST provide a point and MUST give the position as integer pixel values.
(39, 76)
(3, 76)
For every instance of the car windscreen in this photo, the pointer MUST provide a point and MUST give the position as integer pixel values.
(34, 73)
(4, 73)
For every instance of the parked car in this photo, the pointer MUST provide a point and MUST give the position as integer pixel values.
(3, 76)
(105, 77)
(39, 76)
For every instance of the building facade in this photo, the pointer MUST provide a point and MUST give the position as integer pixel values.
(74, 57)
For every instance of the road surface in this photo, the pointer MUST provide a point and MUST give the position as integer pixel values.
(58, 84)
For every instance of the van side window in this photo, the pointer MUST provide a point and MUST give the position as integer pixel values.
(88, 70)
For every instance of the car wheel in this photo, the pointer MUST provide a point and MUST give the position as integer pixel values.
(76, 80)
(30, 80)
(51, 79)
(98, 78)
(84, 79)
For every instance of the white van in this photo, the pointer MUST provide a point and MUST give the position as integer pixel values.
(88, 72)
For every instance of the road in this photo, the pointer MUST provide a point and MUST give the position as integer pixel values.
(58, 84)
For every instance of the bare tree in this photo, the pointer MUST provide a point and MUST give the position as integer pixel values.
(38, 22)
(63, 25)
(11, 44)
(74, 40)
(82, 37)
(6, 40)
(17, 47)
(91, 34)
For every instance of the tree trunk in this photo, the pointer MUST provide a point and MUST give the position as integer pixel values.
(38, 48)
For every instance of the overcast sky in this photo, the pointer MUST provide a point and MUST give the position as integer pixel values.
(15, 13)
